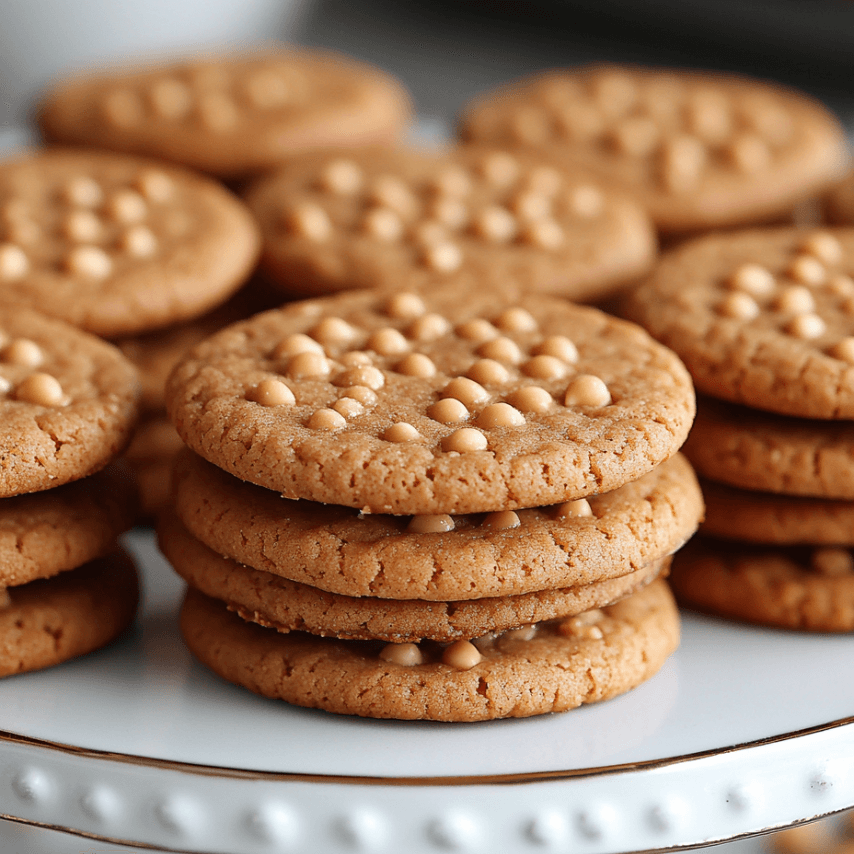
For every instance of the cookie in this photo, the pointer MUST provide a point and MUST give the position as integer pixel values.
(789, 587)
(701, 150)
(763, 317)
(400, 218)
(440, 558)
(230, 115)
(118, 245)
(771, 453)
(68, 402)
(564, 665)
(284, 605)
(838, 203)
(150, 456)
(450, 403)
(761, 517)
(50, 621)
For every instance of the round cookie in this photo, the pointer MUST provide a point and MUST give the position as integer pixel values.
(440, 558)
(397, 219)
(762, 317)
(700, 150)
(234, 115)
(50, 621)
(150, 456)
(594, 659)
(771, 453)
(762, 517)
(118, 245)
(789, 587)
(68, 402)
(44, 533)
(450, 403)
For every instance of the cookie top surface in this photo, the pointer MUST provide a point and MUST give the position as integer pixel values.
(230, 115)
(119, 245)
(440, 557)
(762, 317)
(699, 149)
(406, 218)
(68, 402)
(445, 404)
(623, 644)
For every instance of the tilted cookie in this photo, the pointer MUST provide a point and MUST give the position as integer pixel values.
(772, 453)
(284, 605)
(409, 218)
(68, 402)
(440, 557)
(118, 245)
(232, 115)
(789, 587)
(763, 317)
(450, 403)
(566, 663)
(699, 149)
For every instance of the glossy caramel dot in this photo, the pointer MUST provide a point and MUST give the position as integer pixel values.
(387, 342)
(402, 654)
(83, 192)
(331, 331)
(739, 306)
(405, 306)
(448, 411)
(501, 350)
(795, 300)
(383, 224)
(443, 257)
(23, 352)
(467, 391)
(516, 319)
(308, 365)
(416, 365)
(348, 407)
(310, 221)
(823, 246)
(127, 206)
(342, 177)
(82, 226)
(465, 440)
(139, 242)
(402, 433)
(355, 359)
(844, 350)
(296, 343)
(326, 419)
(753, 279)
(500, 415)
(368, 376)
(429, 327)
(573, 509)
(488, 372)
(587, 390)
(89, 261)
(271, 392)
(437, 524)
(462, 655)
(364, 395)
(683, 159)
(832, 562)
(806, 327)
(502, 520)
(13, 262)
(41, 389)
(545, 368)
(558, 346)
(495, 224)
(532, 398)
(807, 270)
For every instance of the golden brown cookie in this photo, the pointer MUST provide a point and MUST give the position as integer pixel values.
(789, 587)
(150, 456)
(284, 605)
(772, 453)
(53, 620)
(443, 404)
(68, 402)
(700, 150)
(762, 317)
(118, 245)
(409, 218)
(584, 659)
(440, 557)
(230, 115)
(838, 204)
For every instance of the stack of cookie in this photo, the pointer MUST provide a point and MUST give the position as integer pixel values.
(430, 505)
(69, 407)
(764, 320)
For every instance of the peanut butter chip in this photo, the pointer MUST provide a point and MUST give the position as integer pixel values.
(462, 655)
(369, 376)
(807, 327)
(587, 390)
(683, 160)
(443, 257)
(356, 359)
(545, 368)
(405, 306)
(296, 343)
(477, 330)
(139, 242)
(271, 393)
(429, 327)
(42, 390)
(502, 520)
(464, 440)
(448, 411)
(500, 415)
(401, 433)
(450, 212)
(795, 300)
(467, 391)
(739, 306)
(753, 279)
(709, 116)
(5, 385)
(155, 186)
(495, 224)
(403, 654)
(453, 181)
(13, 262)
(83, 192)
(333, 331)
(82, 227)
(586, 201)
(750, 154)
(438, 524)
(387, 342)
(170, 99)
(343, 177)
(23, 352)
(823, 246)
(348, 407)
(807, 270)
(326, 419)
(361, 393)
(499, 169)
(383, 224)
(488, 372)
(308, 366)
(574, 509)
(844, 350)
(558, 346)
(532, 398)
(546, 234)
(516, 320)
(501, 350)
(89, 261)
(578, 627)
(310, 221)
(127, 206)
(832, 562)
(416, 365)
(391, 192)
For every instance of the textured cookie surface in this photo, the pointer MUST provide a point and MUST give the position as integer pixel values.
(118, 245)
(53, 620)
(440, 557)
(68, 402)
(454, 403)
(788, 587)
(701, 150)
(230, 115)
(404, 218)
(284, 605)
(772, 453)
(613, 651)
(762, 317)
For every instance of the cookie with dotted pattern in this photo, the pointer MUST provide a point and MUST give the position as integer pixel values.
(447, 403)
(566, 663)
(763, 317)
(68, 402)
(701, 150)
(278, 603)
(230, 115)
(806, 588)
(409, 218)
(440, 557)
(118, 245)
(49, 621)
